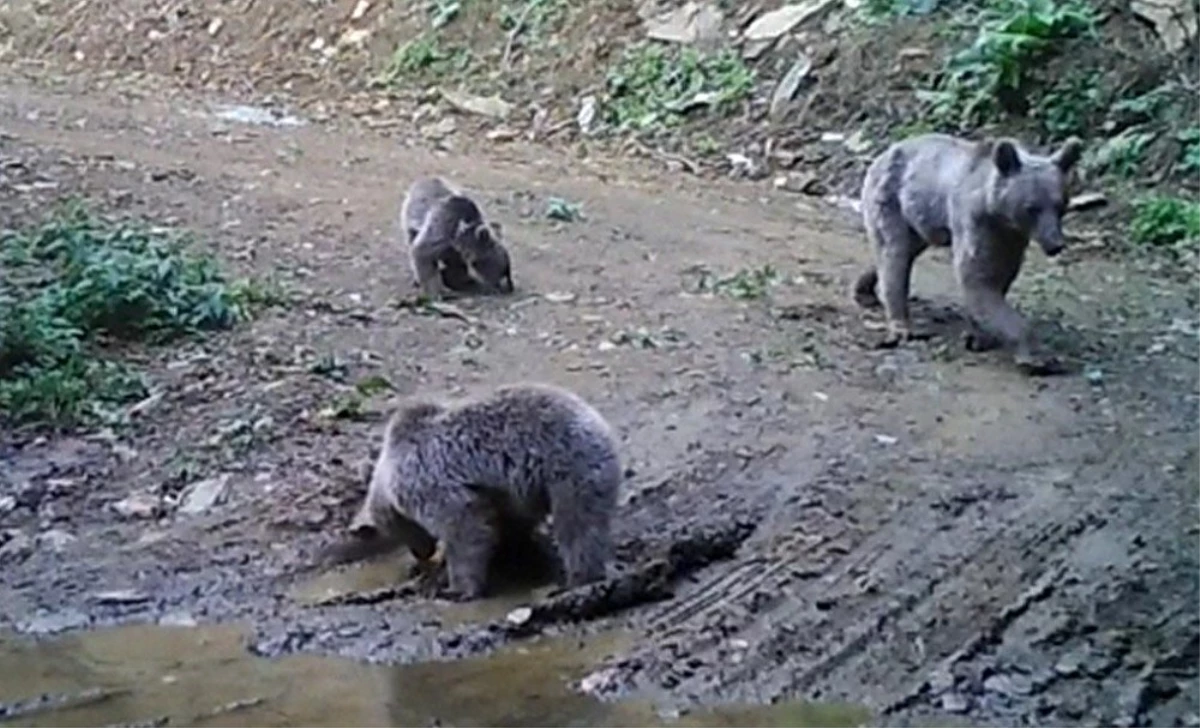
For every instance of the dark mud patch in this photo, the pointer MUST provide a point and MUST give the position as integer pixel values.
(525, 602)
(204, 676)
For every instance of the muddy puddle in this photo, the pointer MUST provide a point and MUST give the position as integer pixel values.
(531, 579)
(156, 675)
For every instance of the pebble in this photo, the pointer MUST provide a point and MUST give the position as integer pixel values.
(138, 505)
(55, 539)
(954, 703)
(16, 548)
(121, 596)
(52, 622)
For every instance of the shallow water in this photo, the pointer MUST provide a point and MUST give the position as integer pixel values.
(156, 675)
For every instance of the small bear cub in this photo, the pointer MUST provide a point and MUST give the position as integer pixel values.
(451, 246)
(465, 472)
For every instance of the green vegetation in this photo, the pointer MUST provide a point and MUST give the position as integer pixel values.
(746, 284)
(1169, 224)
(75, 286)
(424, 54)
(1189, 156)
(1075, 105)
(531, 18)
(563, 210)
(992, 77)
(654, 86)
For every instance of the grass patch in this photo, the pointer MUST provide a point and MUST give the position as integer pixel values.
(654, 86)
(424, 55)
(1169, 224)
(77, 285)
(992, 78)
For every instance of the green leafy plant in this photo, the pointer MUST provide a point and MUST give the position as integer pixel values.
(1166, 223)
(654, 86)
(1189, 157)
(422, 55)
(992, 76)
(1121, 155)
(746, 284)
(531, 17)
(1074, 105)
(75, 285)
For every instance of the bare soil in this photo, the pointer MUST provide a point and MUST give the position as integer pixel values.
(922, 531)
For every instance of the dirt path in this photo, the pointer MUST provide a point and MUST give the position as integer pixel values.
(929, 532)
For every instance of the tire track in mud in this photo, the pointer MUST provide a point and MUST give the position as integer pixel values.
(836, 593)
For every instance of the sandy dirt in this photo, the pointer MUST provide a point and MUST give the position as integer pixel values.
(923, 531)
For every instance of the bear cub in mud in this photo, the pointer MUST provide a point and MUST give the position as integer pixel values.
(983, 199)
(451, 246)
(463, 472)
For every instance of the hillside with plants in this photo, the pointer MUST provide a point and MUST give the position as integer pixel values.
(800, 94)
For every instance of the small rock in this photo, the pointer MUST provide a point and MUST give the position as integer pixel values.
(559, 296)
(586, 118)
(954, 703)
(492, 106)
(16, 547)
(360, 9)
(691, 23)
(1069, 664)
(177, 619)
(214, 27)
(886, 440)
(600, 681)
(787, 85)
(940, 681)
(1010, 685)
(501, 134)
(49, 623)
(1175, 21)
(354, 38)
(138, 505)
(802, 182)
(120, 596)
(7, 504)
(770, 26)
(443, 127)
(519, 616)
(742, 166)
(55, 539)
(205, 494)
(858, 143)
(1087, 201)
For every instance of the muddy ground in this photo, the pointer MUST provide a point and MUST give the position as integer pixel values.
(923, 532)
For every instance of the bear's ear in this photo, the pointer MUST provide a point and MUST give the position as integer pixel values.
(1006, 158)
(497, 229)
(1069, 154)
